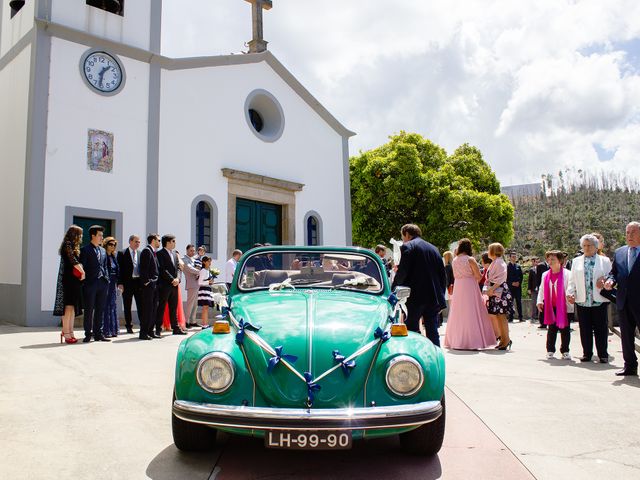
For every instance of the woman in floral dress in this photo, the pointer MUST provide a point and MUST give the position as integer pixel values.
(500, 302)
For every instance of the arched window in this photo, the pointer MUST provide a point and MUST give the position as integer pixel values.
(312, 229)
(204, 218)
(203, 225)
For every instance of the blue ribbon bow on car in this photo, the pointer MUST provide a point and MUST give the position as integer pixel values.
(346, 366)
(273, 361)
(242, 326)
(383, 335)
(311, 387)
(393, 299)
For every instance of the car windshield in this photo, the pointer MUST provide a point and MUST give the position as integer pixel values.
(311, 269)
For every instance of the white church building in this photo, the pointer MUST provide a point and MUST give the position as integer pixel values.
(98, 127)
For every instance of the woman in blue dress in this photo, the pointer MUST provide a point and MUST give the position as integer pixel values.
(110, 325)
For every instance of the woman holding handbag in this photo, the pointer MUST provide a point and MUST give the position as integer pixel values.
(500, 302)
(587, 277)
(68, 302)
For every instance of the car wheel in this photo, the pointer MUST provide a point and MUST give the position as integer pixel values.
(426, 439)
(192, 437)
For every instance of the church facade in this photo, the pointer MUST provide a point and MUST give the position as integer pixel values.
(98, 127)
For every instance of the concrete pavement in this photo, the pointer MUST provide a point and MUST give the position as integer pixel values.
(102, 410)
(562, 419)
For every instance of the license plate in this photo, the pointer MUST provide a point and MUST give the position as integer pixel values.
(308, 440)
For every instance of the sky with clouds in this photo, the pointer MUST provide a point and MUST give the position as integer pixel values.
(537, 85)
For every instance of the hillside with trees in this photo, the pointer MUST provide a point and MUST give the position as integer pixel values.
(571, 204)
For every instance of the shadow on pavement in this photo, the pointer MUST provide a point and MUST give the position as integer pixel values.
(238, 457)
(45, 345)
(131, 338)
(172, 464)
(630, 381)
(245, 458)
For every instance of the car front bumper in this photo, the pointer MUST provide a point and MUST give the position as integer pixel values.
(267, 418)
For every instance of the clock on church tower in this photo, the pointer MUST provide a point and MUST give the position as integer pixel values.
(102, 72)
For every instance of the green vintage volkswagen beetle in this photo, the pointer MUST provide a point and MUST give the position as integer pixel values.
(310, 354)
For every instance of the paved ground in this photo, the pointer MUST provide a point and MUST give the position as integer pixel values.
(102, 410)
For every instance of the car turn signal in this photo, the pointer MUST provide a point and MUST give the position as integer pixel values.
(221, 326)
(399, 330)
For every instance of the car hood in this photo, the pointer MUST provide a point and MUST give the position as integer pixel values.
(311, 324)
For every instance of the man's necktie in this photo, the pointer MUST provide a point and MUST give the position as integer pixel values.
(633, 253)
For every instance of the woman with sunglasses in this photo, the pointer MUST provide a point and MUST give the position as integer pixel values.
(110, 325)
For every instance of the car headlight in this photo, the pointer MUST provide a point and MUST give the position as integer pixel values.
(216, 372)
(404, 376)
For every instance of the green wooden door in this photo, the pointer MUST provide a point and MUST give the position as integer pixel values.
(86, 222)
(257, 222)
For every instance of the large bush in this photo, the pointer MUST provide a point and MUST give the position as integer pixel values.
(412, 180)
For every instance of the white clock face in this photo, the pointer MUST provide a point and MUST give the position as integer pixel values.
(103, 72)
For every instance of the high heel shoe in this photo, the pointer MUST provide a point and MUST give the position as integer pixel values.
(68, 338)
(507, 346)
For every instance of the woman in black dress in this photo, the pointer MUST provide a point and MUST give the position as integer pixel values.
(69, 288)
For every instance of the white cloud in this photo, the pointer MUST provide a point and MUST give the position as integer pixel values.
(534, 84)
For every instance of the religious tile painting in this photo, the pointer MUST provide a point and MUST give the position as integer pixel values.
(100, 151)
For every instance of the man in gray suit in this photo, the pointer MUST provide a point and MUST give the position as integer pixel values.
(191, 273)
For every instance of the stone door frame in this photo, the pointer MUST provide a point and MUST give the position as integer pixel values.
(262, 189)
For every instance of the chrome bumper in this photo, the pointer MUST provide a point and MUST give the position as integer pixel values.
(266, 418)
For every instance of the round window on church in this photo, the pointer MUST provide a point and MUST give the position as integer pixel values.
(264, 115)
(256, 120)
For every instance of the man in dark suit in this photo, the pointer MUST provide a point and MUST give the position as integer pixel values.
(129, 279)
(625, 272)
(540, 269)
(168, 284)
(421, 268)
(96, 284)
(148, 283)
(514, 280)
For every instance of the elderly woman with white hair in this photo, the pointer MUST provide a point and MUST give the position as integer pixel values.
(585, 282)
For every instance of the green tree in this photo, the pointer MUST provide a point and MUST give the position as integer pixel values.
(411, 179)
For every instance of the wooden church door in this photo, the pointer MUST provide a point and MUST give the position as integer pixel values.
(257, 222)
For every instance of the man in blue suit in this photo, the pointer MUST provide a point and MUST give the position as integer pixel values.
(96, 284)
(421, 268)
(625, 272)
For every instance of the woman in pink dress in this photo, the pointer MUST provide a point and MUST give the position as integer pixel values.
(468, 325)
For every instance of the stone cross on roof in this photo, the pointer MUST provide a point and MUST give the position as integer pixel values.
(258, 44)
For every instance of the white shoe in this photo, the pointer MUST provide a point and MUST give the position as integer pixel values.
(549, 355)
(566, 356)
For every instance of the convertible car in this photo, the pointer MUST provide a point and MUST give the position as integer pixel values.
(310, 353)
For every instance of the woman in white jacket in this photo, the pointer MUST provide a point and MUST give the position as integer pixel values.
(552, 300)
(587, 279)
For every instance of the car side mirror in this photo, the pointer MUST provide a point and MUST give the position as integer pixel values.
(402, 293)
(220, 287)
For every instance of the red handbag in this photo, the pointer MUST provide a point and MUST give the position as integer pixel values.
(77, 273)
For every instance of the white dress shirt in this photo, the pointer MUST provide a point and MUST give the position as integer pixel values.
(230, 270)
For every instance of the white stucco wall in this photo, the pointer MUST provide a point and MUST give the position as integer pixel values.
(14, 100)
(131, 29)
(203, 129)
(73, 109)
(13, 29)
